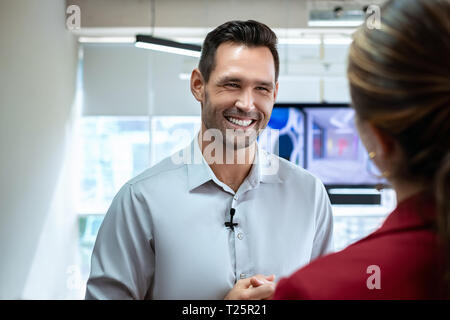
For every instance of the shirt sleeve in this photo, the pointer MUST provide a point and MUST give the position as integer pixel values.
(123, 260)
(323, 238)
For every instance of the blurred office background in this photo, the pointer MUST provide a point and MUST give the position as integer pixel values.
(83, 110)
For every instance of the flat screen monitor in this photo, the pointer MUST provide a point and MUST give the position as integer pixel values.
(321, 138)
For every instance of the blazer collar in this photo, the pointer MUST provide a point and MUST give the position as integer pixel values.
(415, 212)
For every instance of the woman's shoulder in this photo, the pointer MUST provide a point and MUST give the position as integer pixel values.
(402, 260)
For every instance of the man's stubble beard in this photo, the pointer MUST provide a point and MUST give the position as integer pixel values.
(228, 143)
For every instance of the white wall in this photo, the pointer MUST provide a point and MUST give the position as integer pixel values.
(172, 95)
(129, 81)
(122, 80)
(37, 82)
(115, 80)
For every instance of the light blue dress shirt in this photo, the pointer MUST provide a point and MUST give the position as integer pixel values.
(163, 236)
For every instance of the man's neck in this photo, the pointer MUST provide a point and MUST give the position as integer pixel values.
(233, 166)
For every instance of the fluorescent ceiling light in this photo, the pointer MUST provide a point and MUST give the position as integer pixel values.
(164, 45)
(305, 41)
(331, 23)
(106, 39)
(189, 40)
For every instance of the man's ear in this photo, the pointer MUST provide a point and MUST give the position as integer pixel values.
(275, 92)
(198, 85)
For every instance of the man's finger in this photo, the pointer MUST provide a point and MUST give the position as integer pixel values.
(262, 292)
(271, 277)
(260, 279)
(255, 282)
(243, 283)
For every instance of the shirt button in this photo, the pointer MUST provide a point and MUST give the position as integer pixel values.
(240, 236)
(242, 276)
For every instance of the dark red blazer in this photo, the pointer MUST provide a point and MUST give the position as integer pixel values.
(404, 248)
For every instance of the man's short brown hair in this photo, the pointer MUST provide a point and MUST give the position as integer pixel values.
(249, 33)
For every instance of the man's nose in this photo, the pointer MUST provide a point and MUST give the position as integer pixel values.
(246, 101)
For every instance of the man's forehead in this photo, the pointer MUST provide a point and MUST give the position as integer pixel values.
(235, 60)
(232, 50)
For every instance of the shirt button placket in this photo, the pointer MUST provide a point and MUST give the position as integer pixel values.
(240, 245)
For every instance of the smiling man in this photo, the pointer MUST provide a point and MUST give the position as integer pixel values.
(228, 219)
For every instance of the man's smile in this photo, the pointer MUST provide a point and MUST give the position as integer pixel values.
(243, 123)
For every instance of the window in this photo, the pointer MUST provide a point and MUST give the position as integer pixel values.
(170, 134)
(112, 150)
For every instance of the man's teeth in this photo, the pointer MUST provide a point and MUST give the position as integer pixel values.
(242, 123)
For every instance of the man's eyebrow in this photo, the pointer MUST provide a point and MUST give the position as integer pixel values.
(229, 79)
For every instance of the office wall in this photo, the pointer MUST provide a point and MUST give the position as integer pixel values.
(37, 82)
(115, 80)
(128, 81)
(199, 13)
(122, 80)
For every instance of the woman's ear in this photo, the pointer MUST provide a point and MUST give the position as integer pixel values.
(384, 144)
(198, 85)
(378, 143)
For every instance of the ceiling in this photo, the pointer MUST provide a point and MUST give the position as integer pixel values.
(152, 16)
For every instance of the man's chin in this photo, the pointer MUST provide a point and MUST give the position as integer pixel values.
(238, 143)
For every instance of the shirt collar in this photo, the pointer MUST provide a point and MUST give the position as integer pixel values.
(265, 167)
(198, 170)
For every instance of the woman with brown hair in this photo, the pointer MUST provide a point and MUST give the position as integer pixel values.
(399, 79)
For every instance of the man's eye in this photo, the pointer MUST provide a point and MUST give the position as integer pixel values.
(232, 85)
(262, 89)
